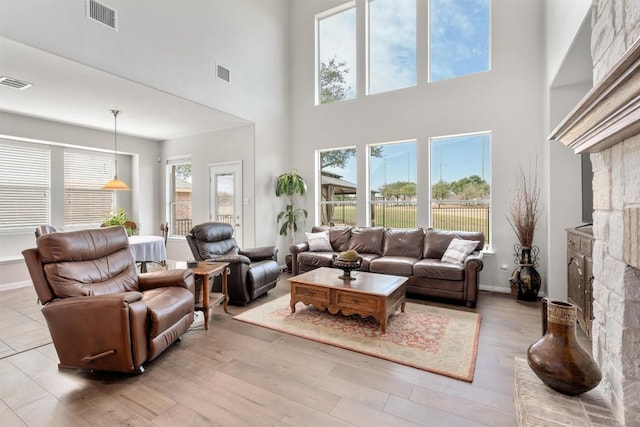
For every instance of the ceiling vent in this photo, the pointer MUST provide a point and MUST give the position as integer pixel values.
(223, 73)
(102, 14)
(14, 83)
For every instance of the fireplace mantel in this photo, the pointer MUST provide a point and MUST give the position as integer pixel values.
(609, 113)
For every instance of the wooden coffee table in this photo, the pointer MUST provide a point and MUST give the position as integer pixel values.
(369, 295)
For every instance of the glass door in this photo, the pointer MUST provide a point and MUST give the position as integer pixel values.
(226, 195)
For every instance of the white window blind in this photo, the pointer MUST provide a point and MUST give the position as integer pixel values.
(85, 173)
(25, 186)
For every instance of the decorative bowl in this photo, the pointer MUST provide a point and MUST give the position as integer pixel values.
(346, 266)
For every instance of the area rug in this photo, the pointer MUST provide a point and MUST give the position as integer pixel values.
(434, 339)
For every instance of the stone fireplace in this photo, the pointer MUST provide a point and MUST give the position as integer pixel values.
(606, 123)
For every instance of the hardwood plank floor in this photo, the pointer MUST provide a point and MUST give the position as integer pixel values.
(237, 374)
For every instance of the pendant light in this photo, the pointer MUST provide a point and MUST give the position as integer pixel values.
(115, 183)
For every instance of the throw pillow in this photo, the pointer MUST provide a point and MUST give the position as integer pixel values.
(458, 250)
(319, 242)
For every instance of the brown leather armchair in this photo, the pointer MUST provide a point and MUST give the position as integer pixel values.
(253, 272)
(101, 314)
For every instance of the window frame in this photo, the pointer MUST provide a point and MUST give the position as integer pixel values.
(319, 17)
(172, 202)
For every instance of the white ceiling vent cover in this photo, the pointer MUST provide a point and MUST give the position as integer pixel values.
(102, 14)
(14, 83)
(223, 73)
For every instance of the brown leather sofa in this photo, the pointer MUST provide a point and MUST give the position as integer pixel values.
(253, 272)
(101, 314)
(414, 253)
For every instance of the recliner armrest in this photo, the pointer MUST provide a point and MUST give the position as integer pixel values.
(164, 278)
(260, 254)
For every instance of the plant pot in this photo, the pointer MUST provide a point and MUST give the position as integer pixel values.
(525, 279)
(289, 261)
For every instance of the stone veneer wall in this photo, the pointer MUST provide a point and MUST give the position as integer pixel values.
(616, 186)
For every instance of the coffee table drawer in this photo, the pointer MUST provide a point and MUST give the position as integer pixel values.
(358, 301)
(311, 293)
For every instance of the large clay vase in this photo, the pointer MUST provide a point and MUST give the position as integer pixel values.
(525, 279)
(557, 358)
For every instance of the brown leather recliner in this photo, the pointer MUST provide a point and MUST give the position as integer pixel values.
(253, 272)
(101, 314)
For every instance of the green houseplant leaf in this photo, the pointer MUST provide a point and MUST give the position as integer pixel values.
(288, 185)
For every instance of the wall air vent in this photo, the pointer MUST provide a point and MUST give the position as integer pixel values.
(14, 83)
(102, 14)
(223, 73)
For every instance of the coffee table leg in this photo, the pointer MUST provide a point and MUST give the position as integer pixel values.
(205, 299)
(225, 290)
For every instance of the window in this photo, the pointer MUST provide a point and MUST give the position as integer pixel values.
(25, 185)
(338, 193)
(459, 38)
(336, 54)
(392, 45)
(179, 187)
(392, 181)
(461, 182)
(85, 173)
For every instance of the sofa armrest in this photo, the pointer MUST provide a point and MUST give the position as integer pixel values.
(294, 250)
(165, 278)
(472, 266)
(261, 254)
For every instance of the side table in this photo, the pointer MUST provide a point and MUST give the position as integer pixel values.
(204, 270)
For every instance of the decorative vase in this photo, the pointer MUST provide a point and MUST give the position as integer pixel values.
(557, 358)
(346, 266)
(525, 280)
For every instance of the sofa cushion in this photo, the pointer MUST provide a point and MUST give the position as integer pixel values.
(397, 265)
(436, 269)
(436, 242)
(367, 259)
(458, 250)
(403, 242)
(319, 242)
(338, 236)
(367, 240)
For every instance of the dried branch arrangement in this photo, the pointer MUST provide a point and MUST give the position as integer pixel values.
(524, 212)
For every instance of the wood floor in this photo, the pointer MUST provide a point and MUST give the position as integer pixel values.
(237, 374)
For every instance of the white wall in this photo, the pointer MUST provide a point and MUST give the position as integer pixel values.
(506, 101)
(207, 149)
(140, 174)
(173, 46)
(567, 80)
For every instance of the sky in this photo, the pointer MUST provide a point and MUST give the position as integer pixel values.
(459, 45)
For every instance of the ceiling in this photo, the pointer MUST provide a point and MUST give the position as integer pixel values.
(68, 92)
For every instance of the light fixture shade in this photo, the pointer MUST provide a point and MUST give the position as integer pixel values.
(116, 184)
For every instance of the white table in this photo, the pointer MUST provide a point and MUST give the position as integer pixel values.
(147, 249)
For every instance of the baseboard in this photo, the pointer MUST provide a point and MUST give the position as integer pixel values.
(14, 285)
(490, 288)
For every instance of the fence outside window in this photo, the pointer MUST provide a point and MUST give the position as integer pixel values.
(462, 215)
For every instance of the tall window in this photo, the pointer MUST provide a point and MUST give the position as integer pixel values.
(393, 184)
(461, 182)
(336, 54)
(25, 186)
(85, 173)
(179, 186)
(459, 38)
(338, 187)
(392, 45)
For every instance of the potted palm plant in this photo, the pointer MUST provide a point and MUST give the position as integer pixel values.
(289, 185)
(523, 217)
